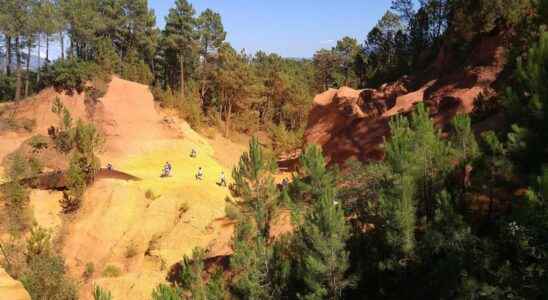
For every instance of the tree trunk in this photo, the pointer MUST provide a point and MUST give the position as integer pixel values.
(62, 43)
(71, 49)
(39, 61)
(47, 49)
(227, 118)
(18, 70)
(182, 66)
(27, 74)
(8, 55)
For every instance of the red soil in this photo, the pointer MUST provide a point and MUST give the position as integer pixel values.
(351, 123)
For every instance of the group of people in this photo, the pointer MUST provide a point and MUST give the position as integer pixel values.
(166, 172)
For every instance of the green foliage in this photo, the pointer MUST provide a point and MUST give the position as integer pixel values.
(45, 276)
(101, 294)
(38, 142)
(250, 262)
(166, 292)
(254, 184)
(323, 235)
(69, 75)
(284, 140)
(16, 195)
(89, 270)
(111, 271)
(136, 69)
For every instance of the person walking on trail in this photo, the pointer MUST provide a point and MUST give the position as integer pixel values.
(200, 174)
(193, 153)
(222, 180)
(109, 167)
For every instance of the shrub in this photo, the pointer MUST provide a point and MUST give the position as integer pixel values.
(45, 276)
(166, 292)
(69, 74)
(7, 87)
(101, 294)
(76, 184)
(16, 195)
(284, 140)
(38, 142)
(63, 142)
(135, 69)
(89, 270)
(112, 271)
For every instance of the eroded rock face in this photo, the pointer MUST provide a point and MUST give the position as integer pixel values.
(349, 123)
(11, 289)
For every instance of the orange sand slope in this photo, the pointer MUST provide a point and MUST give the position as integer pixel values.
(140, 227)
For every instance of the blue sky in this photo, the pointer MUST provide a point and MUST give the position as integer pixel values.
(294, 28)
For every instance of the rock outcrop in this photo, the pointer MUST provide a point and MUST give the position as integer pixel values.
(349, 123)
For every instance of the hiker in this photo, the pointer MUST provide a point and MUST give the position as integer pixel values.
(167, 170)
(200, 174)
(222, 180)
(109, 167)
(193, 153)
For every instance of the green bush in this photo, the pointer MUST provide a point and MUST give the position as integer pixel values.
(69, 74)
(89, 270)
(101, 294)
(112, 271)
(283, 140)
(7, 87)
(38, 142)
(135, 69)
(45, 276)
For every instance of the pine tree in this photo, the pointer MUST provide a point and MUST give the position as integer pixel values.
(212, 35)
(466, 148)
(181, 36)
(254, 183)
(323, 235)
(235, 83)
(251, 262)
(166, 292)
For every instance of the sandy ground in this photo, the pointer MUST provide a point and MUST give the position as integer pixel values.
(11, 289)
(117, 216)
(117, 223)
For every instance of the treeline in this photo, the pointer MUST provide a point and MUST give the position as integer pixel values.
(407, 39)
(189, 63)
